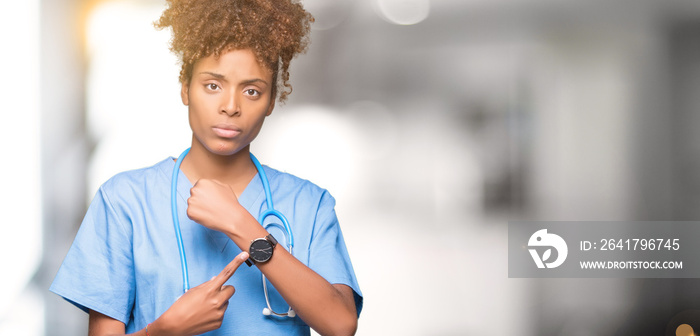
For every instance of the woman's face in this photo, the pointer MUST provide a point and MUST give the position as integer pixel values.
(228, 98)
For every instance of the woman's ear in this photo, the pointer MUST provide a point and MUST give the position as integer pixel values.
(184, 93)
(271, 107)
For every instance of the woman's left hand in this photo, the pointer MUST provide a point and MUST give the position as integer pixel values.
(214, 205)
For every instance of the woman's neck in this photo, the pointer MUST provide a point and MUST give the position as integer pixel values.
(236, 170)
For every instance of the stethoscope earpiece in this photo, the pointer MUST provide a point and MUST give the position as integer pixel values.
(290, 313)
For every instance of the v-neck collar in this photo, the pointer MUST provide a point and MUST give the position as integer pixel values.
(251, 192)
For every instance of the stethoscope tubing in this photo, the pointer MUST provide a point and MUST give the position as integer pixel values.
(268, 198)
(176, 222)
(270, 211)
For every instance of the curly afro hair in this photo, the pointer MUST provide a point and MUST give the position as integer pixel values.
(275, 30)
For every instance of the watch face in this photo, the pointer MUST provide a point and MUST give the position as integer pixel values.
(261, 250)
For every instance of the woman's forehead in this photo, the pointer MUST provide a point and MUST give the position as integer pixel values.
(233, 62)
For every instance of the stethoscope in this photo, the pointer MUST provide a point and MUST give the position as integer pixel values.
(267, 311)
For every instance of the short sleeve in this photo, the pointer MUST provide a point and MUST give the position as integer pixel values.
(98, 272)
(328, 255)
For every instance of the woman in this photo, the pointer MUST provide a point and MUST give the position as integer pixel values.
(123, 267)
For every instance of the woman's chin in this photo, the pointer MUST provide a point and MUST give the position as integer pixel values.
(225, 150)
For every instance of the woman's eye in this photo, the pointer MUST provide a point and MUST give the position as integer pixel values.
(252, 92)
(212, 86)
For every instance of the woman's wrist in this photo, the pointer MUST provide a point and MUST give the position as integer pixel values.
(237, 218)
(244, 227)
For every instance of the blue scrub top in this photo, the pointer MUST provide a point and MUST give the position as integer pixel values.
(124, 262)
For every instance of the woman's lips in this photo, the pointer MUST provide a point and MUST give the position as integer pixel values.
(226, 131)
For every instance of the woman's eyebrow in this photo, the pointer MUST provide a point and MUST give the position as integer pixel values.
(253, 80)
(213, 74)
(244, 82)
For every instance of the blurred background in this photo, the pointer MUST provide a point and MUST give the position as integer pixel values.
(433, 123)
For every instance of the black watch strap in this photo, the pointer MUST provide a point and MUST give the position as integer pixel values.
(272, 240)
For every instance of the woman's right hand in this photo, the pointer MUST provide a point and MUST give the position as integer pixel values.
(202, 308)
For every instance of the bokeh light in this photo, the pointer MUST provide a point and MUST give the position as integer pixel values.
(403, 12)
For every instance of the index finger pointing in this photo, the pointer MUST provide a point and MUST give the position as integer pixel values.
(231, 268)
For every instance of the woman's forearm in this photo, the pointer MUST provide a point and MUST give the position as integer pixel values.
(200, 310)
(328, 309)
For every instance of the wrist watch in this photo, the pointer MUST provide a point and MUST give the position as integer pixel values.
(261, 250)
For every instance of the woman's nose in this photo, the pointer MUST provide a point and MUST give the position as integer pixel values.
(229, 104)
